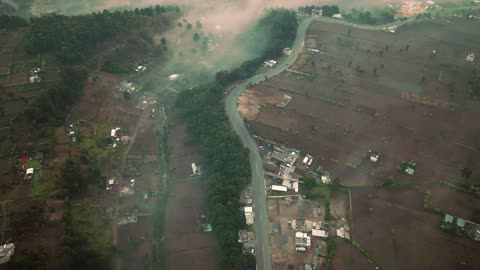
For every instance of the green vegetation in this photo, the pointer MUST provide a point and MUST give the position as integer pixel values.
(378, 16)
(54, 104)
(474, 84)
(228, 166)
(71, 38)
(273, 32)
(9, 22)
(85, 245)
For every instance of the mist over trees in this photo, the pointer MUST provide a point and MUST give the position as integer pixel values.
(273, 32)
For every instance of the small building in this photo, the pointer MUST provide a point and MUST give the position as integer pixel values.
(6, 252)
(35, 79)
(448, 218)
(29, 173)
(174, 77)
(140, 69)
(319, 233)
(337, 16)
(278, 188)
(113, 132)
(470, 57)
(270, 63)
(194, 168)
(249, 215)
(302, 240)
(373, 155)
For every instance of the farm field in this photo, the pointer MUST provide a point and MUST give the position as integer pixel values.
(391, 225)
(405, 95)
(186, 244)
(377, 90)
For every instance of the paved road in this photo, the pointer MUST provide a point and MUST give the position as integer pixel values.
(263, 254)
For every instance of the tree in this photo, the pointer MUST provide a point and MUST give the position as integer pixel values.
(309, 182)
(163, 41)
(199, 25)
(466, 173)
(407, 47)
(189, 26)
(72, 179)
(375, 70)
(196, 37)
(179, 24)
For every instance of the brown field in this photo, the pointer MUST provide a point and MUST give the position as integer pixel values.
(347, 258)
(398, 234)
(188, 247)
(455, 202)
(388, 92)
(341, 113)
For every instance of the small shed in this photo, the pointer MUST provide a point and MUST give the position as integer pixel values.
(448, 218)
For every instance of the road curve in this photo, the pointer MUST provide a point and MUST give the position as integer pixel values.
(263, 254)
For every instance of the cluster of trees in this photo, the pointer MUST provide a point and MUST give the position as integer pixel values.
(78, 250)
(7, 21)
(229, 167)
(379, 16)
(54, 104)
(72, 37)
(327, 11)
(273, 32)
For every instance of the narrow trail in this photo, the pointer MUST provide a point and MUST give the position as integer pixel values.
(123, 161)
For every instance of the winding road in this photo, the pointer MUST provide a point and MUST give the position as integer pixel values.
(263, 254)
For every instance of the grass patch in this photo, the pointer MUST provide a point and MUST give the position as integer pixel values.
(319, 192)
(41, 188)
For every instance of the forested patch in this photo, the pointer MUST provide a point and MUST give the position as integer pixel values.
(55, 103)
(228, 166)
(71, 38)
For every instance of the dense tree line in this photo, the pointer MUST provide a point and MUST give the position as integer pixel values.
(72, 37)
(7, 21)
(54, 104)
(273, 32)
(379, 16)
(228, 165)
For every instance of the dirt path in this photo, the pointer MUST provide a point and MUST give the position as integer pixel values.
(123, 160)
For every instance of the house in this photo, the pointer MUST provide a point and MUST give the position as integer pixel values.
(373, 155)
(113, 132)
(173, 77)
(319, 233)
(270, 63)
(29, 173)
(470, 57)
(302, 240)
(249, 215)
(24, 159)
(461, 223)
(6, 252)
